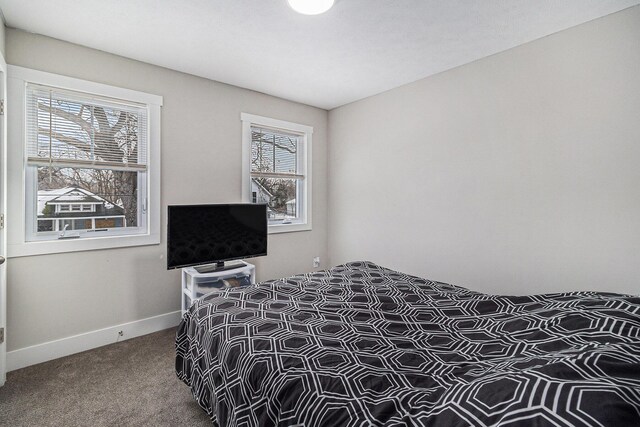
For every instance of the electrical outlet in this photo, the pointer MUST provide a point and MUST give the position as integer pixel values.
(120, 333)
(316, 262)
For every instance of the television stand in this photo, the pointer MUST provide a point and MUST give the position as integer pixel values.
(196, 284)
(219, 266)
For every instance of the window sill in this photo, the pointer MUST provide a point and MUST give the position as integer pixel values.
(288, 228)
(16, 250)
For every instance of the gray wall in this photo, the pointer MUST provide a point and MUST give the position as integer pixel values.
(54, 296)
(3, 30)
(2, 38)
(518, 173)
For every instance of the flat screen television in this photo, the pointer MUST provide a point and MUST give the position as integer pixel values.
(209, 235)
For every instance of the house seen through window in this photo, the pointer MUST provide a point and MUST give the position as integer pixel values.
(73, 208)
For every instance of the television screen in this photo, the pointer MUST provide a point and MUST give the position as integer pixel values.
(206, 234)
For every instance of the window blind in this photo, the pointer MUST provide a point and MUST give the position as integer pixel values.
(274, 154)
(72, 129)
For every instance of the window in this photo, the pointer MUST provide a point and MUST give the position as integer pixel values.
(91, 164)
(84, 149)
(277, 171)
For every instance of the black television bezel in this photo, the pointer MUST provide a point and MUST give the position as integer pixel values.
(223, 260)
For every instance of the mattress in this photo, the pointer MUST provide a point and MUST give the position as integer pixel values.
(360, 344)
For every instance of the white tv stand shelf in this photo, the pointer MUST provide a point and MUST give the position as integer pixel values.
(196, 285)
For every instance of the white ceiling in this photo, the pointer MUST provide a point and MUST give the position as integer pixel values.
(357, 49)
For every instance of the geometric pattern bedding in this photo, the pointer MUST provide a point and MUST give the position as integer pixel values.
(360, 344)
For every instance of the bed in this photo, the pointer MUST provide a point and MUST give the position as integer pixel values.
(359, 344)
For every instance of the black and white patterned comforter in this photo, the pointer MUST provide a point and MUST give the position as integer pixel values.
(363, 345)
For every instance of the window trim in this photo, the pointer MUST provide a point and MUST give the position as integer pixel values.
(17, 246)
(249, 120)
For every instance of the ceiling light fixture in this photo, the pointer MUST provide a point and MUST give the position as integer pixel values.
(311, 7)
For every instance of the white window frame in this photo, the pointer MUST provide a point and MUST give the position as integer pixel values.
(18, 178)
(304, 167)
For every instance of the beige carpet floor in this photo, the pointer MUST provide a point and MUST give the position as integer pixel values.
(131, 383)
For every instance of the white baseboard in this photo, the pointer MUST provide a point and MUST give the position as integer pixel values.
(44, 352)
